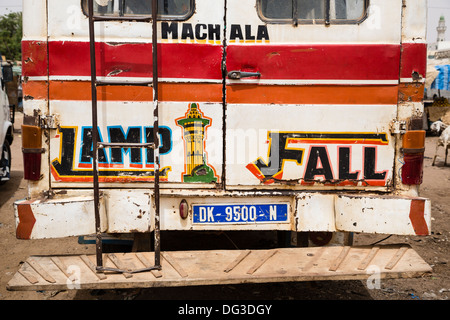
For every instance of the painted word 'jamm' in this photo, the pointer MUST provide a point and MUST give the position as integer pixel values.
(135, 134)
(64, 168)
(212, 32)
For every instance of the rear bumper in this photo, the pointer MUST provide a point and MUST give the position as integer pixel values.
(131, 210)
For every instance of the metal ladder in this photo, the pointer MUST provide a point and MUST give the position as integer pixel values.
(95, 135)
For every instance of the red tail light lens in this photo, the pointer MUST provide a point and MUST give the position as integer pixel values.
(412, 170)
(32, 166)
(184, 209)
(32, 149)
(413, 150)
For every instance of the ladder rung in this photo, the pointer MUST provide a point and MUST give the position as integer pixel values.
(101, 145)
(123, 83)
(122, 18)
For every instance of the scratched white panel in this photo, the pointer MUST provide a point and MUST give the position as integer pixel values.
(34, 20)
(128, 211)
(378, 215)
(57, 218)
(315, 212)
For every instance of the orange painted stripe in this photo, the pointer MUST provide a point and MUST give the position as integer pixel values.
(314, 94)
(81, 90)
(253, 94)
(35, 90)
(26, 220)
(416, 215)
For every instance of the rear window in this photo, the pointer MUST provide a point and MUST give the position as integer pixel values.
(167, 9)
(313, 11)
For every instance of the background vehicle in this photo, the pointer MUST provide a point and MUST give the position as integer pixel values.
(6, 127)
(302, 120)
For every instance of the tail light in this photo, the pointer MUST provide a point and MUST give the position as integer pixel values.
(413, 150)
(184, 209)
(32, 150)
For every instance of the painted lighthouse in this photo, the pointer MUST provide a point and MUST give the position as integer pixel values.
(194, 125)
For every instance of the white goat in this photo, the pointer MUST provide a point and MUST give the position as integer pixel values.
(443, 141)
(438, 127)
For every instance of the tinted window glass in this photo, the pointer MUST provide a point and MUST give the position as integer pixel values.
(348, 9)
(166, 8)
(311, 10)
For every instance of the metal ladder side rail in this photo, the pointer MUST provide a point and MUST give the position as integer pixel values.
(98, 145)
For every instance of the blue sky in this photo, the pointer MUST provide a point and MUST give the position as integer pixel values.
(436, 8)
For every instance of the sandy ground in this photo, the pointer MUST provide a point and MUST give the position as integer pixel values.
(434, 249)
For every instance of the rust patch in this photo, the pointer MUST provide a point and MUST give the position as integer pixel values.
(304, 50)
(272, 54)
(26, 221)
(411, 92)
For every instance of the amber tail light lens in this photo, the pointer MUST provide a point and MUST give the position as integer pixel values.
(413, 150)
(32, 150)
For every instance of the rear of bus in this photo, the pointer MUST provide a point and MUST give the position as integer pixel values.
(297, 116)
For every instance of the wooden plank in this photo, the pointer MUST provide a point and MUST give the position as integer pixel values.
(207, 268)
(396, 258)
(57, 261)
(37, 267)
(236, 261)
(261, 261)
(119, 264)
(27, 275)
(142, 258)
(372, 253)
(174, 264)
(92, 267)
(316, 254)
(340, 258)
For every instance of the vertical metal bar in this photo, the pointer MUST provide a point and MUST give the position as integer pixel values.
(327, 12)
(294, 13)
(166, 7)
(121, 8)
(98, 241)
(156, 128)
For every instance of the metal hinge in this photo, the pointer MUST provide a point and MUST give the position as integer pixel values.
(398, 127)
(49, 121)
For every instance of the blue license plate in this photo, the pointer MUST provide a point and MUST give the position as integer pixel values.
(239, 213)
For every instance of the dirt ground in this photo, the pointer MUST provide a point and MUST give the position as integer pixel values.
(434, 249)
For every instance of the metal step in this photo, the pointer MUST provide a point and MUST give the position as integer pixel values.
(101, 145)
(123, 18)
(215, 267)
(100, 83)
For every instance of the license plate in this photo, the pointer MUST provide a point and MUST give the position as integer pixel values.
(238, 213)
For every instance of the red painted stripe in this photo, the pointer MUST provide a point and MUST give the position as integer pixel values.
(203, 61)
(199, 61)
(416, 215)
(34, 58)
(414, 59)
(316, 62)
